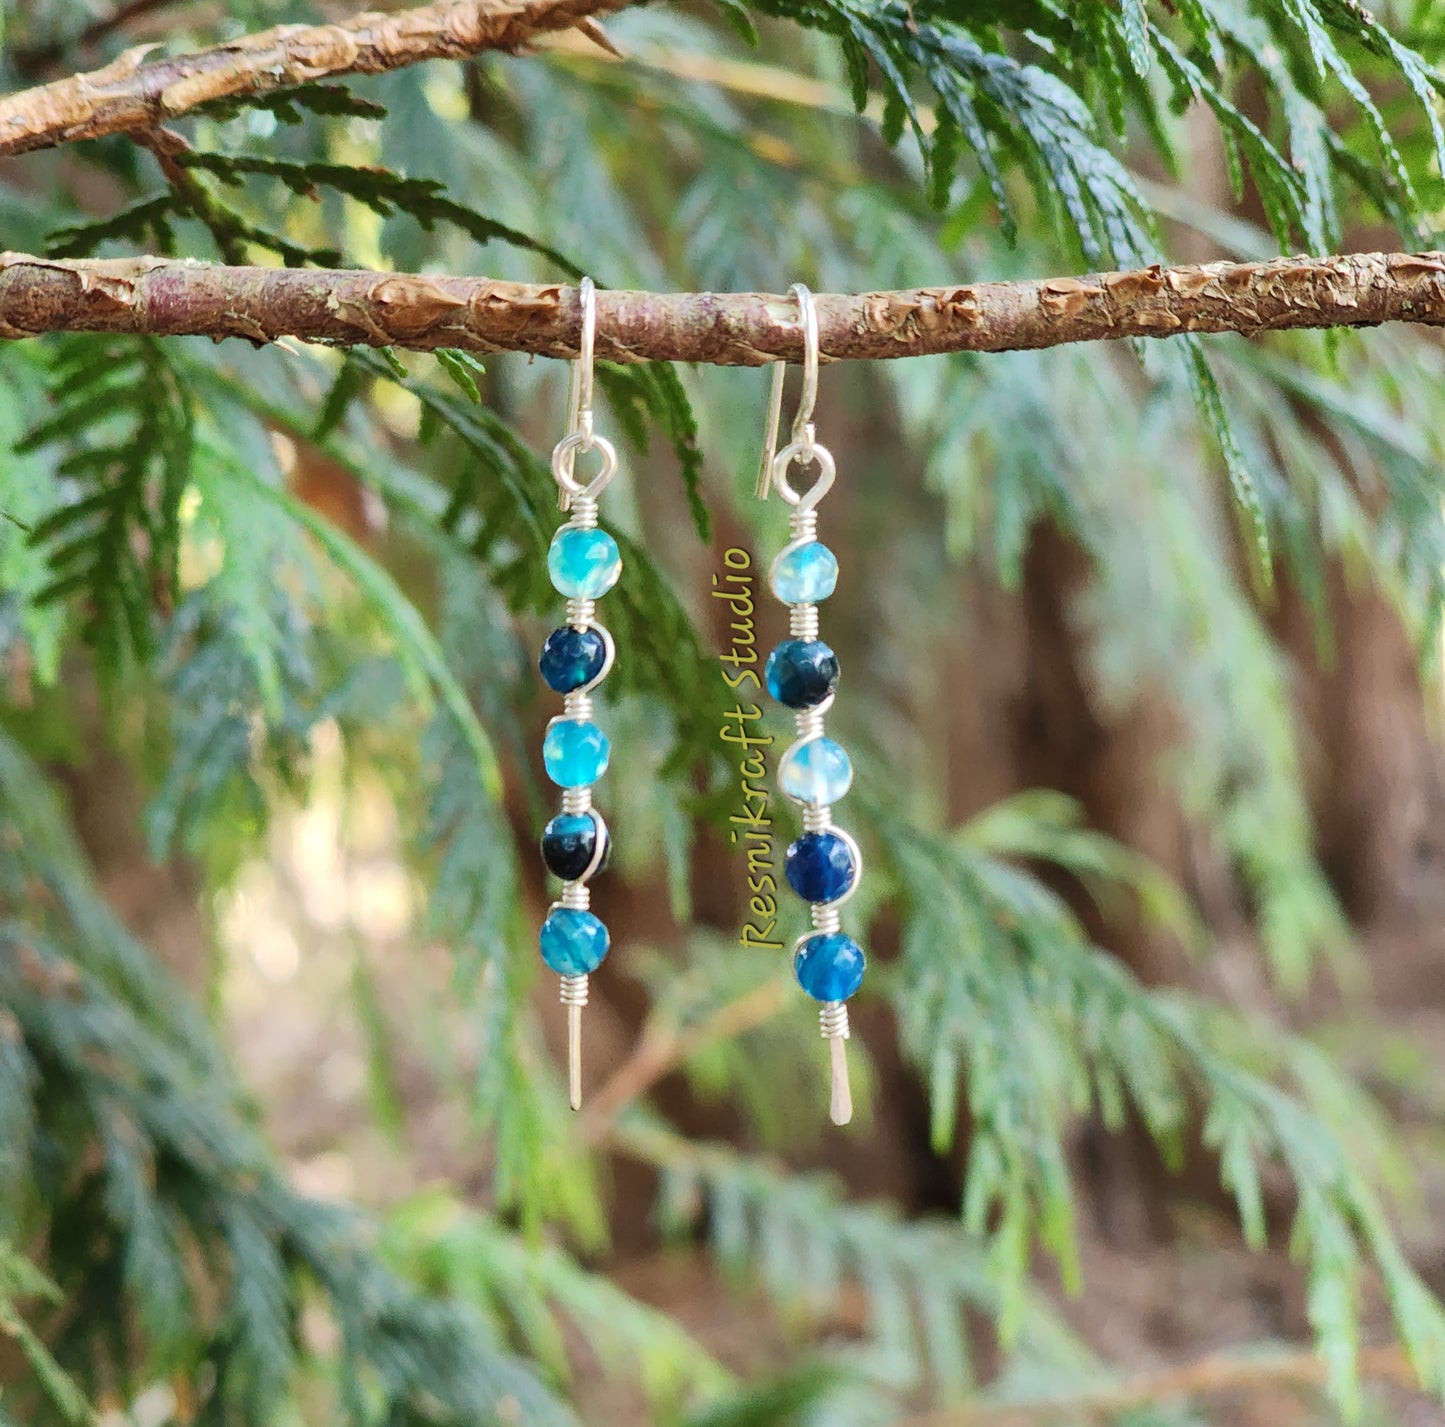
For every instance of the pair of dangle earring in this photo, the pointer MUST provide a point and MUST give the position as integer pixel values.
(824, 865)
(583, 563)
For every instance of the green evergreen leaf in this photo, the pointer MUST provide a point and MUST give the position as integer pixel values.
(1035, 1012)
(119, 542)
(292, 104)
(384, 192)
(417, 650)
(1241, 478)
(20, 1279)
(464, 370)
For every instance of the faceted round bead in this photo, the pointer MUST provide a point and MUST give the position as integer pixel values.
(575, 753)
(807, 575)
(569, 843)
(573, 942)
(801, 673)
(819, 772)
(571, 658)
(583, 563)
(819, 866)
(829, 967)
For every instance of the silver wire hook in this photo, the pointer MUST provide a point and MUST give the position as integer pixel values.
(803, 432)
(579, 395)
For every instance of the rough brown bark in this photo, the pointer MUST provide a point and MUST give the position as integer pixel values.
(344, 307)
(131, 94)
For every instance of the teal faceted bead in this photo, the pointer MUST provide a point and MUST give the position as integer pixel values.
(801, 673)
(583, 564)
(829, 967)
(819, 772)
(575, 753)
(573, 942)
(807, 575)
(820, 866)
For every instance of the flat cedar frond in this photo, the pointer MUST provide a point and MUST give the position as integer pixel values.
(1001, 988)
(384, 192)
(20, 1281)
(795, 1238)
(1006, 113)
(528, 1292)
(171, 1161)
(127, 427)
(292, 105)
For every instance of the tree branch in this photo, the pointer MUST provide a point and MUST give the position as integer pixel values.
(130, 94)
(663, 1049)
(351, 308)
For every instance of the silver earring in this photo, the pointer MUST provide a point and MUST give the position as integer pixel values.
(584, 563)
(824, 865)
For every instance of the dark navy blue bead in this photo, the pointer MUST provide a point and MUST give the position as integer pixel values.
(819, 866)
(569, 842)
(571, 658)
(829, 967)
(801, 673)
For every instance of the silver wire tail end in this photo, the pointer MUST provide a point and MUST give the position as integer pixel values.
(574, 1056)
(574, 997)
(833, 1021)
(840, 1104)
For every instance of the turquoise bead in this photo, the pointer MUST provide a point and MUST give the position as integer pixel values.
(807, 575)
(819, 772)
(829, 967)
(573, 942)
(575, 754)
(583, 563)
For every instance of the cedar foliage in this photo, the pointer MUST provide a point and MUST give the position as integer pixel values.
(147, 1233)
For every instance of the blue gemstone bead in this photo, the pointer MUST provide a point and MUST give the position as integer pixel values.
(571, 658)
(819, 866)
(819, 772)
(573, 942)
(574, 753)
(829, 967)
(583, 563)
(569, 843)
(800, 673)
(807, 575)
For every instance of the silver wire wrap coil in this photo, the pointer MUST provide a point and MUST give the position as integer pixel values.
(826, 917)
(803, 622)
(584, 513)
(576, 896)
(833, 1020)
(574, 990)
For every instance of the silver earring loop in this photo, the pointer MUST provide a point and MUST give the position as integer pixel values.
(580, 435)
(803, 449)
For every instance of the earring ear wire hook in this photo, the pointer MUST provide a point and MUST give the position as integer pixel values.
(579, 393)
(803, 431)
